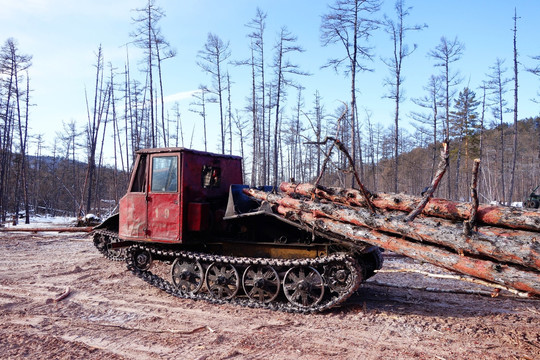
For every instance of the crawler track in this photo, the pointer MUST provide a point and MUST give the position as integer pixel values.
(341, 276)
(103, 239)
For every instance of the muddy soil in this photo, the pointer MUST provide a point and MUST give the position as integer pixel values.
(110, 314)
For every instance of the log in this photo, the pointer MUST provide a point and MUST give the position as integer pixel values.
(51, 229)
(518, 247)
(507, 275)
(499, 216)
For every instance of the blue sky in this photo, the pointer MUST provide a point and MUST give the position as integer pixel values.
(63, 37)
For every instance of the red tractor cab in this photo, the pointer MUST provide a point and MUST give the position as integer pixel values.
(175, 192)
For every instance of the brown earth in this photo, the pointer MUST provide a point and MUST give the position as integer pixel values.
(111, 314)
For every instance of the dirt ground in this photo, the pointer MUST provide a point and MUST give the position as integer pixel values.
(111, 314)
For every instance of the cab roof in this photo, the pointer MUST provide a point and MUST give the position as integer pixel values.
(181, 149)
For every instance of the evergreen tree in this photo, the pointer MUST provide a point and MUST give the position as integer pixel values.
(463, 125)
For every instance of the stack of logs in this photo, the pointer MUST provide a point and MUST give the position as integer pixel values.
(503, 246)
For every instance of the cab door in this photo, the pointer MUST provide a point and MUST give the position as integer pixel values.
(163, 200)
(133, 208)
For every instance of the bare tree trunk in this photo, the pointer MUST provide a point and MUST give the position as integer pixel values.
(92, 132)
(254, 124)
(515, 149)
(229, 113)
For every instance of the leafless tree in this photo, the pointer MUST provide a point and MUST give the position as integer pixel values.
(241, 127)
(259, 165)
(179, 132)
(92, 131)
(199, 107)
(229, 112)
(397, 29)
(515, 130)
(15, 100)
(497, 88)
(431, 102)
(212, 59)
(351, 24)
(446, 53)
(147, 36)
(163, 52)
(536, 71)
(283, 68)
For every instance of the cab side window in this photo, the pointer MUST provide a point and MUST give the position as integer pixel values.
(210, 177)
(139, 180)
(164, 174)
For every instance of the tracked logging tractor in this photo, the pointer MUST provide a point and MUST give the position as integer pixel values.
(300, 248)
(185, 208)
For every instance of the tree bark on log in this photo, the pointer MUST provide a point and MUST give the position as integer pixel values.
(499, 216)
(514, 246)
(503, 274)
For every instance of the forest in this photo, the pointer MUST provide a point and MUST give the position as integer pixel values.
(277, 132)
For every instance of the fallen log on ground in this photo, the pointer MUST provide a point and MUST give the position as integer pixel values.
(46, 229)
(514, 246)
(499, 216)
(504, 274)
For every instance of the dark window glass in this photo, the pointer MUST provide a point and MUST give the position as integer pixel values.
(211, 176)
(139, 181)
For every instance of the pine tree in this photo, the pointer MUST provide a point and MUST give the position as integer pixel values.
(463, 125)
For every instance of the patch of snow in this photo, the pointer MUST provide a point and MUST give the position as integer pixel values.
(44, 222)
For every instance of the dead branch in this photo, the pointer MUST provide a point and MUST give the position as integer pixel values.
(443, 165)
(327, 158)
(324, 164)
(430, 289)
(468, 225)
(272, 326)
(366, 194)
(460, 278)
(172, 331)
(63, 295)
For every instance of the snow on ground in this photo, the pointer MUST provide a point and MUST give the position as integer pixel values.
(44, 222)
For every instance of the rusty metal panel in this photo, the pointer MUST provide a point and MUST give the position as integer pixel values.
(157, 209)
(196, 167)
(133, 216)
(163, 198)
(163, 217)
(198, 216)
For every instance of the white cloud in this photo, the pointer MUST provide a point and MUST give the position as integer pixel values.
(183, 95)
